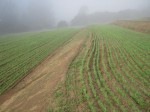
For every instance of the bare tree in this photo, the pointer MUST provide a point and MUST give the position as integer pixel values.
(81, 18)
(62, 24)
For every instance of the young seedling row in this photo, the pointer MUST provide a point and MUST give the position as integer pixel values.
(20, 53)
(110, 74)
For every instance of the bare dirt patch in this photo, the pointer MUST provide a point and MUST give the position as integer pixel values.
(140, 26)
(33, 93)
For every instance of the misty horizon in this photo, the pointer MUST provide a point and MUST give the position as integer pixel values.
(22, 15)
(68, 9)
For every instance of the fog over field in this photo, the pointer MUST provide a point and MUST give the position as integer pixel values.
(69, 8)
(74, 55)
(29, 15)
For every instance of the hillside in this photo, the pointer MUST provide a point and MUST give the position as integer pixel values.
(142, 25)
(100, 68)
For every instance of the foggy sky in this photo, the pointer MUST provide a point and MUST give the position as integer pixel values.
(66, 9)
(39, 14)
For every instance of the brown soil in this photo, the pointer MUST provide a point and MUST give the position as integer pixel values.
(113, 81)
(140, 26)
(34, 92)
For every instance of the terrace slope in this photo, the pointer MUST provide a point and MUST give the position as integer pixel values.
(33, 92)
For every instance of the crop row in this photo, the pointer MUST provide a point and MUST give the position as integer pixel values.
(111, 74)
(29, 52)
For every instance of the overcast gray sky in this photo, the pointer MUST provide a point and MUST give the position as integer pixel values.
(38, 14)
(66, 9)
